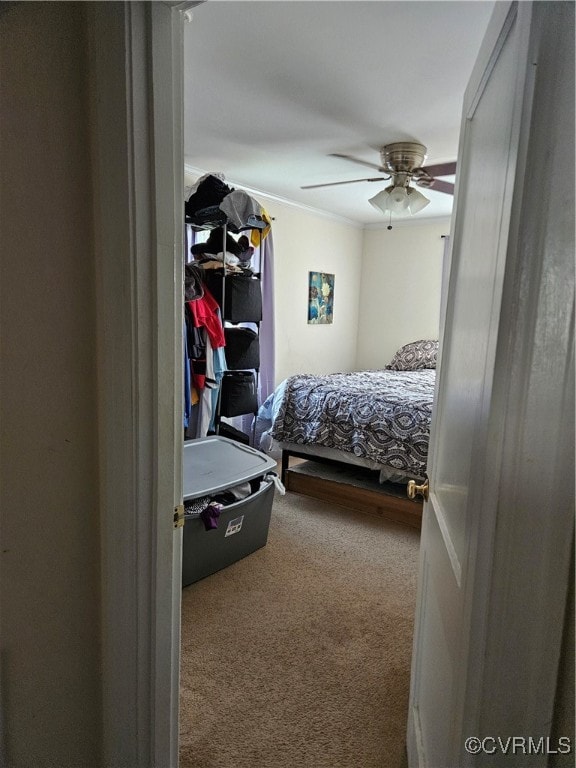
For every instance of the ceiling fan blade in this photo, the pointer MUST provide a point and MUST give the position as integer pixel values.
(336, 183)
(358, 161)
(442, 169)
(442, 186)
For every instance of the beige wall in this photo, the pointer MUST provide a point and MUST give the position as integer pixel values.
(49, 491)
(306, 242)
(386, 292)
(400, 289)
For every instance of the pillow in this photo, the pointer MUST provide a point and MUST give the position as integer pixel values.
(414, 356)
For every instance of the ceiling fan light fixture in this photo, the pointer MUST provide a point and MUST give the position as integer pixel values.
(380, 201)
(393, 199)
(397, 199)
(416, 200)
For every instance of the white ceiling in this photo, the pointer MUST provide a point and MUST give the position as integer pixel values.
(273, 87)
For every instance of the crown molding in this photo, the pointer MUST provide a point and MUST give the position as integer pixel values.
(412, 222)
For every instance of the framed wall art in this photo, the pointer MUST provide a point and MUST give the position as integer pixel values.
(320, 298)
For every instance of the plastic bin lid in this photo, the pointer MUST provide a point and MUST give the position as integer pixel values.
(215, 463)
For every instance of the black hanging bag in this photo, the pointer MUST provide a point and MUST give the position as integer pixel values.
(238, 393)
(243, 295)
(242, 348)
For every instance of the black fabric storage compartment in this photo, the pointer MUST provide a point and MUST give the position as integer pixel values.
(242, 529)
(238, 393)
(242, 348)
(243, 296)
(227, 430)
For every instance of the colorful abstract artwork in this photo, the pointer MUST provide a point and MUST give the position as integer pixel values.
(320, 298)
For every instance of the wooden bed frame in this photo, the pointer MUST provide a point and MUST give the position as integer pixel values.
(288, 452)
(384, 501)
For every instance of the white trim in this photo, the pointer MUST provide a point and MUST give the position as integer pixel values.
(501, 20)
(447, 539)
(136, 104)
(118, 389)
(167, 46)
(418, 738)
(413, 222)
(414, 738)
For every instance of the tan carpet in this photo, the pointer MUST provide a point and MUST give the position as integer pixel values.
(298, 656)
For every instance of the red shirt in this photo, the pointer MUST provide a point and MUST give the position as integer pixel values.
(205, 313)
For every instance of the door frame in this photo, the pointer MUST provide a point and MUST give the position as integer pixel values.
(135, 65)
(136, 103)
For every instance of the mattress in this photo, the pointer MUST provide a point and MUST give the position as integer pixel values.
(379, 419)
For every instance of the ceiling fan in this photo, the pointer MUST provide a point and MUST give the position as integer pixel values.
(403, 162)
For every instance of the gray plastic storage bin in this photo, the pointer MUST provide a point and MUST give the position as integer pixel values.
(212, 465)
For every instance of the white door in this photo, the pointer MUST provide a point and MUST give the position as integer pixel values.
(465, 571)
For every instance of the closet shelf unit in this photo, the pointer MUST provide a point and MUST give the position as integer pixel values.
(239, 296)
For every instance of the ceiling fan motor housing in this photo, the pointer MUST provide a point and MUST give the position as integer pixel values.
(403, 156)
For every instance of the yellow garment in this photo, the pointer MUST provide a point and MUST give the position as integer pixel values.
(258, 235)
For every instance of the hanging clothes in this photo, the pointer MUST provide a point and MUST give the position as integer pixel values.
(187, 397)
(261, 230)
(205, 313)
(241, 209)
(196, 345)
(193, 281)
(219, 366)
(210, 191)
(207, 370)
(211, 385)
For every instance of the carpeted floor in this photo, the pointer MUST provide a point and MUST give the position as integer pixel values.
(298, 656)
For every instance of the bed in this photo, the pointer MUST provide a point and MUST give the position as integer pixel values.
(378, 419)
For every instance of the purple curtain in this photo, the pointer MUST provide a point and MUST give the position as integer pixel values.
(267, 355)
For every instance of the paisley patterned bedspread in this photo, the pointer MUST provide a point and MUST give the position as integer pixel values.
(380, 415)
